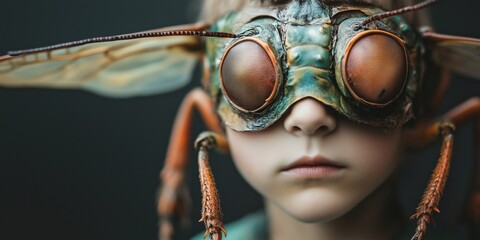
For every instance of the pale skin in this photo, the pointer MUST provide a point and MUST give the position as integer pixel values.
(352, 201)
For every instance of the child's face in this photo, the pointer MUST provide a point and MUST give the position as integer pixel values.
(345, 162)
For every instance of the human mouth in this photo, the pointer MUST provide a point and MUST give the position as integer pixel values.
(313, 167)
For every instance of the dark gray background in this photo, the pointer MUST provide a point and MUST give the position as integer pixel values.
(74, 165)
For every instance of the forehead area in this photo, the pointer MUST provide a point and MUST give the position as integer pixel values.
(306, 22)
(304, 12)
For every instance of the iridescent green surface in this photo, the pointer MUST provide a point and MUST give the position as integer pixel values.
(309, 41)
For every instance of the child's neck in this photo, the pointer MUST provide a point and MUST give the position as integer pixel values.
(375, 218)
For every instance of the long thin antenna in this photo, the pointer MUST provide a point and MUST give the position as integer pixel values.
(398, 11)
(124, 37)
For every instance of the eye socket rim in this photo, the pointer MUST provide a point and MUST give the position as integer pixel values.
(274, 63)
(348, 49)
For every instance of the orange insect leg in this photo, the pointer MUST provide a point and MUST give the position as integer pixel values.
(211, 211)
(173, 195)
(426, 133)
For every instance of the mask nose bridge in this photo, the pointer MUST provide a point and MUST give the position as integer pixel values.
(310, 82)
(310, 62)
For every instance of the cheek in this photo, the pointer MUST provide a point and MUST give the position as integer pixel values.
(377, 153)
(384, 156)
(252, 158)
(374, 156)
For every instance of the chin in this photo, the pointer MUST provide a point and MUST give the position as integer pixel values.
(316, 207)
(317, 214)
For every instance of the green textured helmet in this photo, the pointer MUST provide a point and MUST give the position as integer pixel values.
(367, 72)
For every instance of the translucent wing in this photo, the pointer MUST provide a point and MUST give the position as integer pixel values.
(458, 54)
(123, 68)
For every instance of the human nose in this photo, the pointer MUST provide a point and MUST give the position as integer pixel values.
(309, 116)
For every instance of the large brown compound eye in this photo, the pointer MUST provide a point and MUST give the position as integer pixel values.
(375, 67)
(248, 75)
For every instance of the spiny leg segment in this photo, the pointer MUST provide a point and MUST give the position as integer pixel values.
(424, 134)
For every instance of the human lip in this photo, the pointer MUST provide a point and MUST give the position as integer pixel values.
(313, 167)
